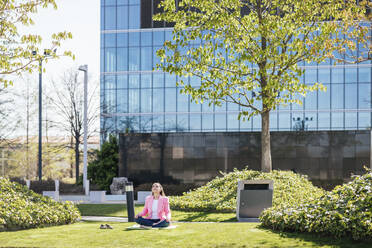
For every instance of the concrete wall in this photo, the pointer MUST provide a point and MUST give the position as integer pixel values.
(198, 157)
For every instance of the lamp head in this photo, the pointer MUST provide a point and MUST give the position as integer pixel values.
(83, 68)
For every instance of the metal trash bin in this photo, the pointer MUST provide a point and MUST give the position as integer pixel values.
(253, 197)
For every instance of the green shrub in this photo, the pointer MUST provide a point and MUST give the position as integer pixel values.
(345, 211)
(104, 168)
(22, 208)
(220, 194)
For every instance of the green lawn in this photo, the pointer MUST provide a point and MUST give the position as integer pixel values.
(120, 210)
(88, 234)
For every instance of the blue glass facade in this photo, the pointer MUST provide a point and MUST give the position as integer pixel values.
(136, 98)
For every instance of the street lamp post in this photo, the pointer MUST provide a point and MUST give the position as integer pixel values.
(45, 55)
(84, 68)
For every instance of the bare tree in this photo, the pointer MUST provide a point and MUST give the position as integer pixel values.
(68, 101)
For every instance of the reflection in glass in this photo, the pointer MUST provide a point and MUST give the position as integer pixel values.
(351, 120)
(220, 122)
(122, 100)
(122, 16)
(337, 96)
(146, 81)
(310, 76)
(364, 120)
(351, 99)
(207, 122)
(133, 100)
(195, 122)
(170, 80)
(158, 123)
(311, 100)
(182, 102)
(256, 122)
(324, 99)
(122, 81)
(232, 122)
(324, 76)
(170, 100)
(183, 122)
(122, 59)
(158, 97)
(133, 81)
(170, 123)
(337, 75)
(122, 39)
(273, 121)
(110, 18)
(337, 121)
(110, 83)
(134, 58)
(158, 38)
(364, 96)
(284, 121)
(110, 59)
(146, 58)
(350, 75)
(324, 121)
(134, 38)
(146, 124)
(146, 38)
(365, 74)
(134, 17)
(146, 100)
(158, 80)
(110, 40)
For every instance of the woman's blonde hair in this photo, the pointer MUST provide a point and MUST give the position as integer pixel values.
(161, 189)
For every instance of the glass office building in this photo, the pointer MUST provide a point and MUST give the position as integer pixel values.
(136, 98)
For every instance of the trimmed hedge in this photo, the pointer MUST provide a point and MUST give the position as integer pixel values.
(219, 195)
(345, 211)
(21, 208)
(169, 189)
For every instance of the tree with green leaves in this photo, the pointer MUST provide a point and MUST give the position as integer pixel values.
(18, 53)
(104, 168)
(251, 49)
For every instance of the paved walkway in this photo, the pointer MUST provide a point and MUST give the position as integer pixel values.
(122, 219)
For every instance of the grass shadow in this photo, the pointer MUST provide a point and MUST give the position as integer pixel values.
(321, 239)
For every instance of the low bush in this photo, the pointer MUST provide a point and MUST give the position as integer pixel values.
(22, 208)
(220, 194)
(345, 211)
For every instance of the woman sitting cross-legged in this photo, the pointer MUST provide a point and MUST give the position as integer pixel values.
(156, 212)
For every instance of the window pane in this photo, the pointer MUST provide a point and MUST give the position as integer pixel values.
(337, 75)
(245, 125)
(122, 2)
(310, 76)
(207, 122)
(134, 17)
(146, 123)
(182, 102)
(110, 18)
(311, 121)
(122, 17)
(364, 74)
(134, 81)
(110, 59)
(158, 80)
(122, 39)
(195, 81)
(170, 100)
(350, 75)
(337, 96)
(256, 122)
(233, 122)
(206, 107)
(170, 123)
(195, 122)
(146, 58)
(110, 83)
(351, 96)
(134, 39)
(273, 121)
(323, 121)
(364, 120)
(351, 120)
(122, 95)
(122, 59)
(324, 98)
(158, 97)
(146, 100)
(158, 123)
(110, 40)
(110, 101)
(337, 120)
(122, 81)
(133, 100)
(324, 76)
(220, 122)
(155, 58)
(146, 38)
(183, 122)
(364, 96)
(134, 58)
(146, 80)
(195, 107)
(284, 121)
(170, 80)
(110, 2)
(158, 38)
(311, 100)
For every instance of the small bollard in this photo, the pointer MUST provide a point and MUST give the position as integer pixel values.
(130, 201)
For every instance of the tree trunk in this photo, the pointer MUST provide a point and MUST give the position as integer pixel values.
(265, 143)
(77, 158)
(71, 158)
